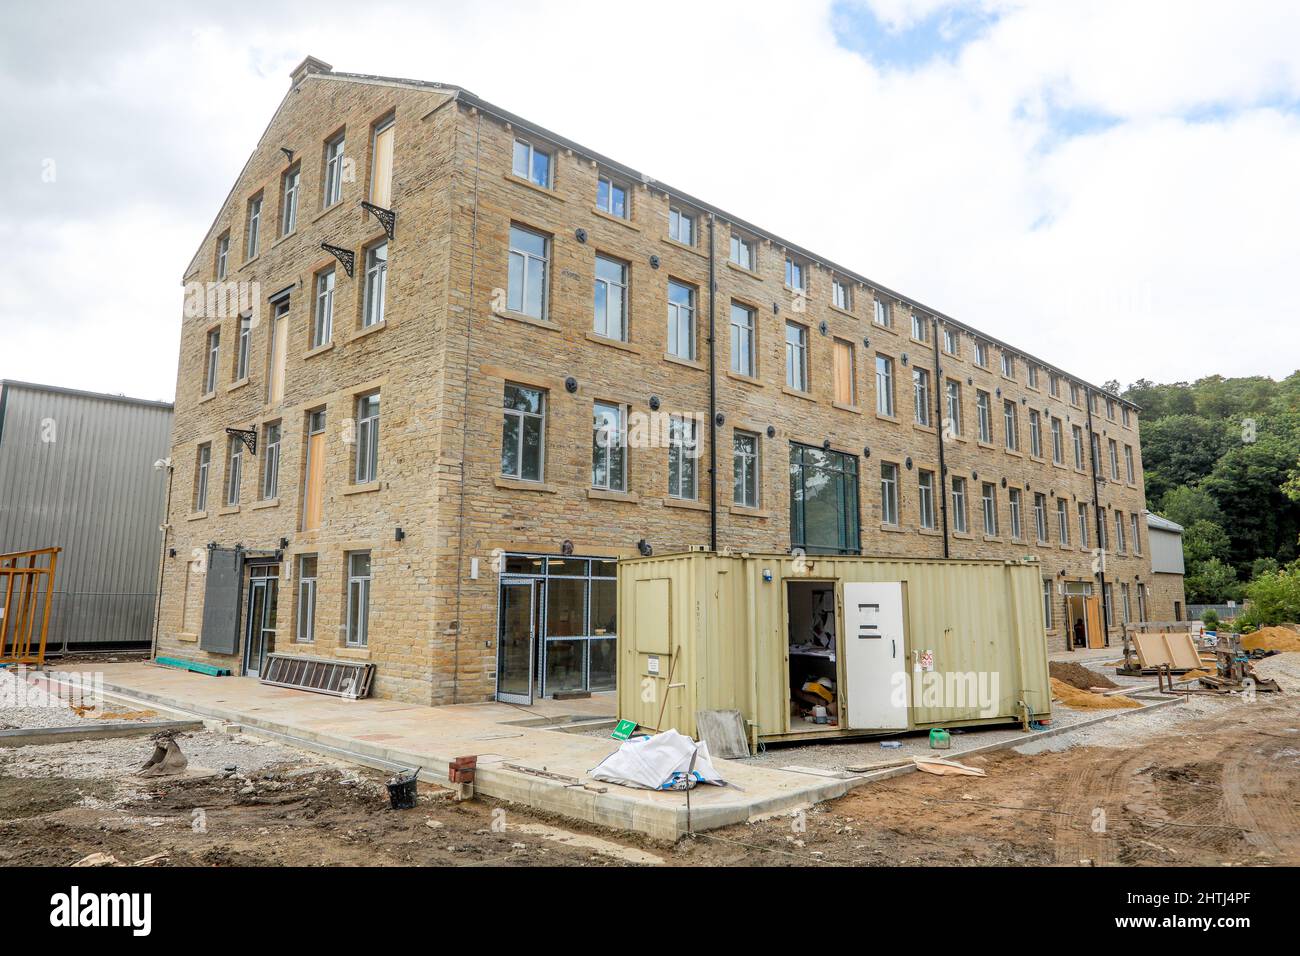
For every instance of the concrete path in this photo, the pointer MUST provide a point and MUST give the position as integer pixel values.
(392, 733)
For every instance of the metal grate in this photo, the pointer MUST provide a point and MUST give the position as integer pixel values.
(322, 675)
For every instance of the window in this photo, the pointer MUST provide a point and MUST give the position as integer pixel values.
(1077, 433)
(609, 448)
(1031, 375)
(745, 464)
(823, 501)
(322, 329)
(313, 472)
(742, 339)
(253, 234)
(1110, 409)
(884, 386)
(271, 462)
(1058, 442)
(358, 621)
(381, 164)
(1035, 434)
(841, 295)
(1047, 603)
(367, 438)
(1013, 504)
(1129, 471)
(981, 355)
(532, 163)
(1124, 411)
(333, 171)
(1127, 604)
(201, 469)
(1096, 452)
(952, 406)
(611, 197)
(744, 252)
(681, 226)
(1083, 524)
(796, 356)
(1040, 517)
(213, 353)
(1119, 532)
(290, 182)
(1063, 520)
(611, 299)
(882, 315)
(241, 349)
(1108, 593)
(1011, 425)
(523, 432)
(1103, 533)
(1008, 364)
(681, 320)
(920, 328)
(925, 498)
(1133, 527)
(983, 416)
(1113, 451)
(223, 256)
(376, 284)
(846, 388)
(959, 505)
(796, 276)
(951, 341)
(888, 493)
(276, 352)
(529, 263)
(989, 503)
(1074, 395)
(683, 454)
(305, 632)
(1054, 385)
(1142, 602)
(921, 395)
(234, 466)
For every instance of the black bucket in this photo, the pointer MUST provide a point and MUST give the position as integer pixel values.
(401, 789)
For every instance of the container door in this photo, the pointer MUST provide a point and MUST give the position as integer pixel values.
(875, 674)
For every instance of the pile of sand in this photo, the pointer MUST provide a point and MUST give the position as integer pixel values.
(1072, 696)
(1271, 639)
(1196, 674)
(1079, 676)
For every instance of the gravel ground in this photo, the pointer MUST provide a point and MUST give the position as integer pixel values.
(39, 710)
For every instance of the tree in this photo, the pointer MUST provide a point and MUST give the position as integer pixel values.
(1274, 598)
(1179, 450)
(1187, 504)
(1203, 541)
(1214, 582)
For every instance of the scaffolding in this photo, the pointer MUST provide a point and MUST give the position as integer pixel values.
(27, 585)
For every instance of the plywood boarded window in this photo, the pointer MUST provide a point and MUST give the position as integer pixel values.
(381, 174)
(278, 353)
(845, 393)
(313, 495)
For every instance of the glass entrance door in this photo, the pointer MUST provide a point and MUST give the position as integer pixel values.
(263, 588)
(515, 639)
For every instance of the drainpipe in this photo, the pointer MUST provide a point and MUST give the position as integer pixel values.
(1094, 446)
(942, 490)
(713, 401)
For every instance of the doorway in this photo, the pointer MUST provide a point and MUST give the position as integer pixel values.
(812, 650)
(516, 631)
(263, 594)
(1085, 623)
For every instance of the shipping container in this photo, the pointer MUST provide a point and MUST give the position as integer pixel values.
(812, 646)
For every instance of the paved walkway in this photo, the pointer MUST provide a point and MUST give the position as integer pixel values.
(395, 733)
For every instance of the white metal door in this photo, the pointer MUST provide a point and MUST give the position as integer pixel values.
(875, 676)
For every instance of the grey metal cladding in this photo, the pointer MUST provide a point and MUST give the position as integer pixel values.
(221, 601)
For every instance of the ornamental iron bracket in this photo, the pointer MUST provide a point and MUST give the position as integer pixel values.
(345, 256)
(247, 435)
(385, 216)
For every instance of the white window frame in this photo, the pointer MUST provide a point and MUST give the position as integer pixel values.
(921, 395)
(683, 445)
(744, 339)
(681, 322)
(920, 327)
(989, 508)
(290, 185)
(796, 356)
(213, 351)
(1081, 510)
(244, 347)
(234, 470)
(305, 618)
(531, 151)
(333, 180)
(524, 417)
(1013, 505)
(527, 259)
(1035, 433)
(984, 416)
(1130, 470)
(889, 493)
(1076, 438)
(743, 252)
(359, 585)
(1011, 424)
(610, 186)
(959, 518)
(884, 386)
(952, 400)
(604, 440)
(951, 341)
(271, 435)
(252, 234)
(796, 274)
(1058, 442)
(681, 226)
(1063, 520)
(366, 459)
(841, 294)
(376, 288)
(322, 329)
(223, 256)
(745, 469)
(1040, 518)
(925, 498)
(601, 324)
(203, 470)
(882, 315)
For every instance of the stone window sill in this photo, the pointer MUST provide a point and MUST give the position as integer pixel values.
(238, 383)
(529, 184)
(742, 377)
(196, 516)
(613, 343)
(266, 503)
(688, 363)
(689, 504)
(369, 330)
(626, 223)
(319, 350)
(528, 320)
(741, 511)
(518, 484)
(602, 494)
(363, 488)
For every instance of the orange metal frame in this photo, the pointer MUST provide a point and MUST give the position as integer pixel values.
(27, 583)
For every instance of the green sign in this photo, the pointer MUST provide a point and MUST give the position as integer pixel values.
(624, 729)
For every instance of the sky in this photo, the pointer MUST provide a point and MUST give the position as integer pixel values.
(1111, 186)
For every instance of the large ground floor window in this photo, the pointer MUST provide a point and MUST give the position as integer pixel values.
(570, 624)
(823, 501)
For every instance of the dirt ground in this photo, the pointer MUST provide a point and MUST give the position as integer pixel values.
(1210, 782)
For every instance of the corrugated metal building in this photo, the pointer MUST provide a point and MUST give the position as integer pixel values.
(77, 470)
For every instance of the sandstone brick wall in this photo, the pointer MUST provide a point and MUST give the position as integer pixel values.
(445, 353)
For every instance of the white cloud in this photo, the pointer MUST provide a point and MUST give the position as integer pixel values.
(981, 183)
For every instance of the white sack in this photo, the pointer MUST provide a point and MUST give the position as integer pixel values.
(661, 762)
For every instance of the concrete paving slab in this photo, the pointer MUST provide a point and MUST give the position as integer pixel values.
(430, 737)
